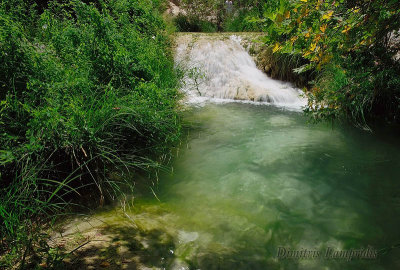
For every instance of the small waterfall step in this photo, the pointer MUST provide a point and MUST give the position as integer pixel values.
(218, 68)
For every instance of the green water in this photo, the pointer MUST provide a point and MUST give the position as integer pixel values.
(249, 179)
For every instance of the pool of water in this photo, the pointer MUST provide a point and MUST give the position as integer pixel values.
(249, 180)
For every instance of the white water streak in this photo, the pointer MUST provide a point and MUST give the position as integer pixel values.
(221, 70)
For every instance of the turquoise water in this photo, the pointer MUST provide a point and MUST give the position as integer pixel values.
(250, 179)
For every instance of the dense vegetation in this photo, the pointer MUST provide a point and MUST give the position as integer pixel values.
(350, 48)
(87, 88)
(354, 48)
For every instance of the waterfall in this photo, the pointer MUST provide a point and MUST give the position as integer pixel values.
(221, 70)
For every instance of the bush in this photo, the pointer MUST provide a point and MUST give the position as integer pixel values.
(193, 24)
(353, 47)
(356, 89)
(85, 88)
(243, 21)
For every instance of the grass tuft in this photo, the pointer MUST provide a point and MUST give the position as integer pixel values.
(86, 89)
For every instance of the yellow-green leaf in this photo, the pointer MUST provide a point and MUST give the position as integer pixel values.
(328, 15)
(313, 46)
(276, 48)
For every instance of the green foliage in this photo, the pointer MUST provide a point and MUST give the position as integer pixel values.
(84, 88)
(193, 24)
(352, 44)
(242, 21)
(356, 90)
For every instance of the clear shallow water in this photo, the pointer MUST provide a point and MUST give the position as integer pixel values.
(250, 179)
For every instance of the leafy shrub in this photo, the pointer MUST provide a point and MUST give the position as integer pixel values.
(193, 24)
(85, 88)
(351, 44)
(356, 89)
(243, 21)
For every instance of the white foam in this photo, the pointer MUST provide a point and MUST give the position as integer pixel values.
(221, 71)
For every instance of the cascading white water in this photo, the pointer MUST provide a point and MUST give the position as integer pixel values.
(222, 70)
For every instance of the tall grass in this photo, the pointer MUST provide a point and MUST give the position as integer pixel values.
(85, 89)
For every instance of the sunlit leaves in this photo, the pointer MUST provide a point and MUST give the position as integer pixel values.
(326, 32)
(323, 28)
(313, 46)
(328, 15)
(305, 25)
(346, 29)
(277, 47)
